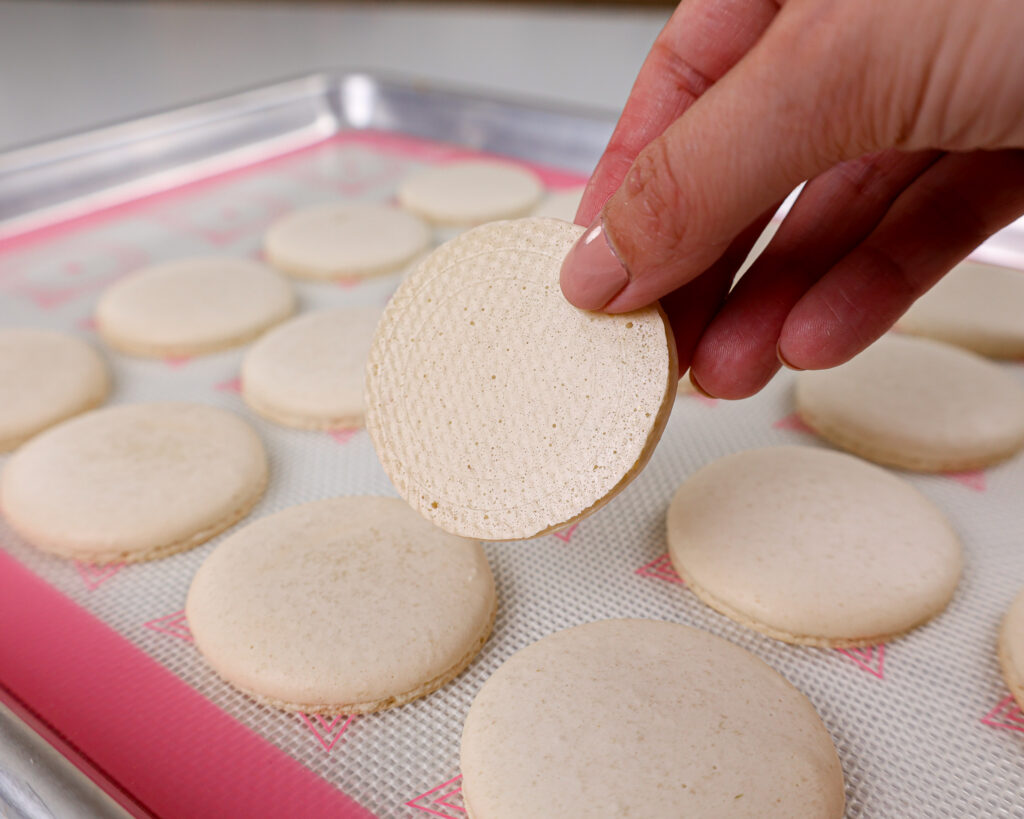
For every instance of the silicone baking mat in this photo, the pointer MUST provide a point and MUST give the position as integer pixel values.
(102, 656)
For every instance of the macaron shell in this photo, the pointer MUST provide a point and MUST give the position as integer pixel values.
(812, 547)
(499, 410)
(471, 192)
(310, 372)
(916, 404)
(45, 377)
(644, 718)
(560, 204)
(134, 482)
(340, 239)
(346, 605)
(975, 306)
(1011, 648)
(193, 306)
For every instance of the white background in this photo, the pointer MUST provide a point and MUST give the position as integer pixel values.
(66, 66)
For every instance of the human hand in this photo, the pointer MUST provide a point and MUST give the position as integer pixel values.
(906, 116)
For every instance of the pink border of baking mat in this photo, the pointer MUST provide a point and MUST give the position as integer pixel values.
(142, 730)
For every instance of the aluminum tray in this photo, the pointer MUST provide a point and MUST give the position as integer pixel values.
(76, 175)
(98, 660)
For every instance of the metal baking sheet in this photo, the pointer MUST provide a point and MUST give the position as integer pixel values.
(99, 659)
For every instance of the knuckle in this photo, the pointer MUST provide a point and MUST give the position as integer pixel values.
(651, 216)
(870, 177)
(950, 213)
(858, 176)
(686, 79)
(882, 266)
(963, 91)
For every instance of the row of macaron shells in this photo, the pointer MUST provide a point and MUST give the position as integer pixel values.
(195, 306)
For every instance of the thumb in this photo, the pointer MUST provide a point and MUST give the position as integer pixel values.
(790, 109)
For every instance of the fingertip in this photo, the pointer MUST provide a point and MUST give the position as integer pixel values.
(784, 361)
(730, 367)
(816, 343)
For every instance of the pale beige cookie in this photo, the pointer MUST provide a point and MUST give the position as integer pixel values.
(976, 306)
(916, 404)
(561, 204)
(134, 482)
(1011, 648)
(499, 410)
(45, 377)
(339, 240)
(813, 547)
(471, 192)
(310, 371)
(192, 306)
(348, 605)
(643, 718)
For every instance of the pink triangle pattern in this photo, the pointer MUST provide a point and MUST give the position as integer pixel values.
(445, 800)
(327, 732)
(89, 324)
(973, 479)
(793, 422)
(173, 624)
(49, 298)
(176, 362)
(660, 568)
(1006, 715)
(348, 282)
(703, 399)
(386, 176)
(342, 436)
(95, 576)
(869, 658)
(86, 265)
(566, 533)
(224, 224)
(231, 385)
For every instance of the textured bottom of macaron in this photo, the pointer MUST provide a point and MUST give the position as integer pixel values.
(165, 550)
(815, 640)
(308, 422)
(429, 687)
(901, 460)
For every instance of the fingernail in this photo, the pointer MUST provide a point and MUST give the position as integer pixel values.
(698, 387)
(782, 359)
(592, 274)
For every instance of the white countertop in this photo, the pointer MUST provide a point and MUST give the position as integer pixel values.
(69, 66)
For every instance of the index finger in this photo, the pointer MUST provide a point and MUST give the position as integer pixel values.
(702, 40)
